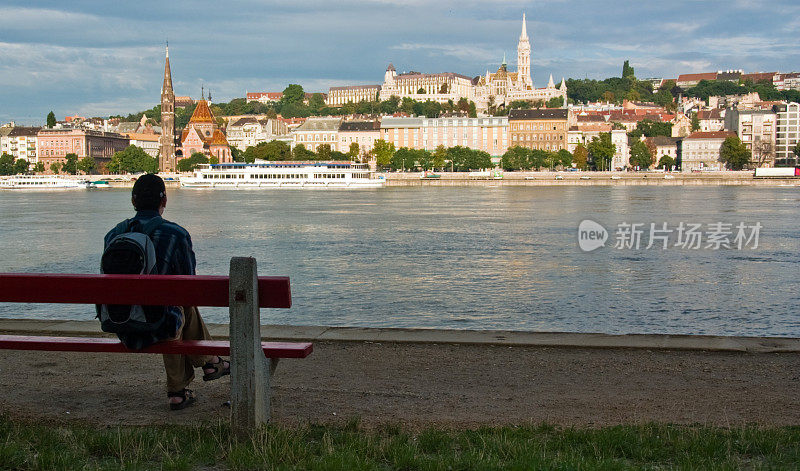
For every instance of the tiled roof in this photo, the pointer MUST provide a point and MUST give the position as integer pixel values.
(697, 77)
(556, 113)
(320, 124)
(352, 126)
(24, 131)
(202, 114)
(218, 139)
(662, 141)
(243, 121)
(357, 87)
(716, 113)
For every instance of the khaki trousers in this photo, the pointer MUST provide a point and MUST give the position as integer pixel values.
(180, 368)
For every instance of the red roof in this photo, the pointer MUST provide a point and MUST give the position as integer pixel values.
(710, 135)
(697, 77)
(268, 95)
(709, 114)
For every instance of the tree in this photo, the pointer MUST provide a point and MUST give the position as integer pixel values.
(640, 155)
(132, 159)
(555, 102)
(188, 164)
(301, 153)
(51, 119)
(316, 103)
(403, 159)
(564, 158)
(796, 150)
(421, 91)
(86, 165)
(695, 122)
(580, 157)
(601, 150)
(39, 167)
(71, 165)
(383, 152)
(515, 158)
(608, 97)
(272, 150)
(352, 153)
(293, 94)
(213, 160)
(627, 70)
(324, 152)
(55, 167)
(439, 156)
(666, 162)
(6, 164)
(733, 153)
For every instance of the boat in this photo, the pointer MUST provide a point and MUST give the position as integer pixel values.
(97, 185)
(299, 175)
(429, 176)
(40, 182)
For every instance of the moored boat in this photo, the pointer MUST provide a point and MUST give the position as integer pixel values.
(298, 175)
(40, 182)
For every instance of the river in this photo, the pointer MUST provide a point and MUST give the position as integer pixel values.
(455, 257)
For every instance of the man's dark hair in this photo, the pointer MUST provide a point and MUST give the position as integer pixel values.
(148, 191)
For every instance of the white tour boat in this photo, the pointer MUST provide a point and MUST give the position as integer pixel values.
(301, 175)
(40, 182)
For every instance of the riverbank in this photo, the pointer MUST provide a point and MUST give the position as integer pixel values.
(744, 178)
(433, 380)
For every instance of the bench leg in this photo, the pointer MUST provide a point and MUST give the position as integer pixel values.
(250, 369)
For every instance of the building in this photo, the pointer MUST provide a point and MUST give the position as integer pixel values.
(264, 97)
(757, 131)
(664, 146)
(690, 80)
(711, 120)
(20, 142)
(790, 81)
(166, 153)
(338, 96)
(488, 134)
(492, 89)
(544, 129)
(700, 150)
(150, 143)
(315, 132)
(440, 87)
(55, 144)
(249, 131)
(204, 136)
(622, 151)
(787, 135)
(363, 133)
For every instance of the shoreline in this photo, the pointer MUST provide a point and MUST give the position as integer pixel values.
(711, 343)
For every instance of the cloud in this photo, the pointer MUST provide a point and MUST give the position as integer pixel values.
(460, 51)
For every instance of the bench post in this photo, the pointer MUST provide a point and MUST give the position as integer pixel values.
(249, 367)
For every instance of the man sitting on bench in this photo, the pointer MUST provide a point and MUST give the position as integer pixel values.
(174, 256)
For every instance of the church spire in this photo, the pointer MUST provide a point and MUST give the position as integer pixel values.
(524, 34)
(167, 86)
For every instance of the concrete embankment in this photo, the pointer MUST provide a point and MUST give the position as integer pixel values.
(400, 179)
(431, 377)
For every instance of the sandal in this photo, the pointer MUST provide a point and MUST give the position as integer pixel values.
(220, 368)
(188, 399)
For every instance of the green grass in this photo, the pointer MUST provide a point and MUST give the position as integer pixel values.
(352, 447)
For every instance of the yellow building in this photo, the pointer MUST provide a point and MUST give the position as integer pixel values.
(544, 129)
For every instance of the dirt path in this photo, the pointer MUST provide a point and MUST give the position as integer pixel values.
(459, 385)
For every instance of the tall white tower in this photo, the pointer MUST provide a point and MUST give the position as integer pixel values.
(524, 58)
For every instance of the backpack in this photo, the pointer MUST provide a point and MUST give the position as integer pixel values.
(132, 252)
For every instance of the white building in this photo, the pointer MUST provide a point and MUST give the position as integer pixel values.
(787, 135)
(338, 96)
(250, 131)
(757, 131)
(700, 150)
(487, 134)
(622, 151)
(20, 142)
(148, 142)
(315, 132)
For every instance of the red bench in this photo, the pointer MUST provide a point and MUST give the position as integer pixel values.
(243, 292)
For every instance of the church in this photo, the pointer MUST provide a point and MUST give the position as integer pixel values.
(503, 87)
(201, 134)
(491, 89)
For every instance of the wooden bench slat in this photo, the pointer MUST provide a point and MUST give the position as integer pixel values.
(156, 290)
(183, 347)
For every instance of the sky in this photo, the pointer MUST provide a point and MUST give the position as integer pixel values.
(102, 58)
